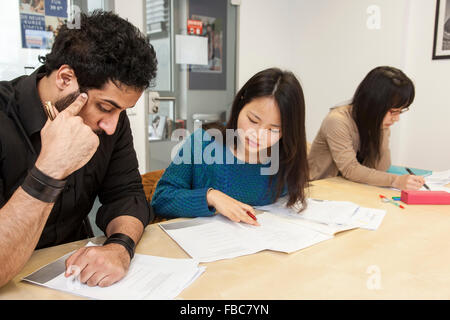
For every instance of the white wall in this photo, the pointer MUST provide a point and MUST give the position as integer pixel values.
(426, 130)
(329, 46)
(265, 36)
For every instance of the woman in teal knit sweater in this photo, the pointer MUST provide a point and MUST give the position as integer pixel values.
(259, 156)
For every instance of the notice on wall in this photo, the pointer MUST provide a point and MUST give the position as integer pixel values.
(40, 21)
(191, 50)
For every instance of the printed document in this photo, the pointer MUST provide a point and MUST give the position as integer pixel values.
(215, 238)
(337, 215)
(148, 278)
(281, 229)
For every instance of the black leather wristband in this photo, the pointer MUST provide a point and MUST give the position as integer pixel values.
(42, 187)
(38, 174)
(124, 240)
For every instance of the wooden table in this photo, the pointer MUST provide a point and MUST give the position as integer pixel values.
(408, 257)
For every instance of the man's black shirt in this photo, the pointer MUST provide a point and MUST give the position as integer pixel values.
(112, 173)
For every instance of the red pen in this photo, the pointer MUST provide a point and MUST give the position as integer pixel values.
(385, 199)
(251, 215)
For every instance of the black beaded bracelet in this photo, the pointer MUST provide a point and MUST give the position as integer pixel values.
(124, 240)
(42, 187)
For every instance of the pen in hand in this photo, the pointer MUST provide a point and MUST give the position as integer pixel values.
(412, 173)
(251, 215)
(48, 108)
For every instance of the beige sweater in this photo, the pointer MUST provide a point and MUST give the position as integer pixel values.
(334, 150)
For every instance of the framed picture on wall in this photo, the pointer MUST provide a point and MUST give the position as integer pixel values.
(441, 44)
(156, 127)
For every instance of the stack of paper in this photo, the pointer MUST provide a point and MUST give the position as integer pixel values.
(148, 277)
(437, 181)
(335, 214)
(281, 229)
(215, 238)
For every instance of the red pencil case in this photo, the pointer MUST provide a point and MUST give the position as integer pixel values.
(425, 197)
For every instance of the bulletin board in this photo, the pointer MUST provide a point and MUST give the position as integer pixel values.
(40, 20)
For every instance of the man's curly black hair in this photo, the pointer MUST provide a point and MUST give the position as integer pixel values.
(105, 47)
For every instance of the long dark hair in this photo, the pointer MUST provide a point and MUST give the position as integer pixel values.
(382, 89)
(284, 87)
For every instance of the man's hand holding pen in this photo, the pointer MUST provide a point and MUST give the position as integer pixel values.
(67, 142)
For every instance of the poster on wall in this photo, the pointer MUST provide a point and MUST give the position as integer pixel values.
(213, 16)
(441, 45)
(40, 20)
(213, 32)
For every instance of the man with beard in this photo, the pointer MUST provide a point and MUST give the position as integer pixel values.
(54, 163)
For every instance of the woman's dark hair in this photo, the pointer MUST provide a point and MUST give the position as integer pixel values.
(104, 47)
(284, 87)
(382, 89)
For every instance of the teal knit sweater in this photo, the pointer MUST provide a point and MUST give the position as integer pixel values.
(203, 163)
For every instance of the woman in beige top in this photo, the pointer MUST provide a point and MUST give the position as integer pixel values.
(353, 140)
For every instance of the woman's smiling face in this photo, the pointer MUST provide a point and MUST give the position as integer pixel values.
(259, 124)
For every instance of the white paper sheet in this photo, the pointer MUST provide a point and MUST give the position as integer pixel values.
(368, 218)
(281, 235)
(213, 238)
(435, 187)
(216, 238)
(329, 229)
(148, 277)
(438, 178)
(281, 229)
(335, 216)
(323, 211)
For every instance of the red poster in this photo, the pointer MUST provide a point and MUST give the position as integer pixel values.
(195, 27)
